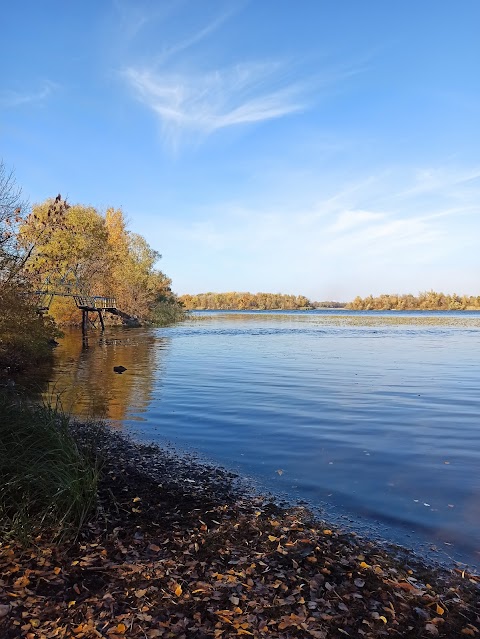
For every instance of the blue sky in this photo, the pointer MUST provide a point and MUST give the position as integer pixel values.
(316, 147)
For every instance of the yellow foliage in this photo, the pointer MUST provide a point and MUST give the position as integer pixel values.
(99, 255)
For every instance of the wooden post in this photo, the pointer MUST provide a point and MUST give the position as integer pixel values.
(100, 316)
(84, 321)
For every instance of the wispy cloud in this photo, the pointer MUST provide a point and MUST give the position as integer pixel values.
(134, 15)
(359, 239)
(204, 103)
(441, 180)
(193, 99)
(347, 220)
(190, 41)
(10, 98)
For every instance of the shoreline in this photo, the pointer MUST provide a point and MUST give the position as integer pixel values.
(179, 548)
(428, 553)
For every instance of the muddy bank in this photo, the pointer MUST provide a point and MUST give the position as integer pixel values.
(180, 549)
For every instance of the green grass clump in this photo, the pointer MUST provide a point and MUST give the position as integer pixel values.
(167, 312)
(48, 485)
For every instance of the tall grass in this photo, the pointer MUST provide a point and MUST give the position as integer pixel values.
(48, 485)
(167, 312)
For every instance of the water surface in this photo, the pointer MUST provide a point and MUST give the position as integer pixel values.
(373, 417)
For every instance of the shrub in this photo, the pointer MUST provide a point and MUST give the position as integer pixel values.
(167, 312)
(25, 336)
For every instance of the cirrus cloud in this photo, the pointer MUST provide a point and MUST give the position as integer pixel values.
(206, 102)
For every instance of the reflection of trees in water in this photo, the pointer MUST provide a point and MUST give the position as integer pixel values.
(84, 379)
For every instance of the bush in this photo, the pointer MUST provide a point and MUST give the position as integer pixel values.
(47, 484)
(167, 312)
(25, 336)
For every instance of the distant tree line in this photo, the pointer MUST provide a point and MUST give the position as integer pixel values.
(428, 300)
(245, 301)
(329, 304)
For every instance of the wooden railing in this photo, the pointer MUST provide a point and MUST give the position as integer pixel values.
(94, 303)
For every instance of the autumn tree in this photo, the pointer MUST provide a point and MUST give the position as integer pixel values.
(64, 237)
(24, 335)
(101, 256)
(12, 207)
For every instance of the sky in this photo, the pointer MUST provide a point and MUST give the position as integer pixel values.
(316, 147)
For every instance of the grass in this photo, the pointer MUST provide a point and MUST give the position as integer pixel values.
(48, 485)
(167, 312)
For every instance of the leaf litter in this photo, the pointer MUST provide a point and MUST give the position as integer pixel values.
(178, 550)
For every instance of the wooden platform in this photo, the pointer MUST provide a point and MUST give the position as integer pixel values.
(95, 303)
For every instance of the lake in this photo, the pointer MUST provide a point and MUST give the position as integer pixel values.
(372, 418)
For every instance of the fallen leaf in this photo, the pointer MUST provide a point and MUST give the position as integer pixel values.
(404, 585)
(4, 609)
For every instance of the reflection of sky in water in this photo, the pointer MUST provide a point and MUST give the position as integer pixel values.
(371, 416)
